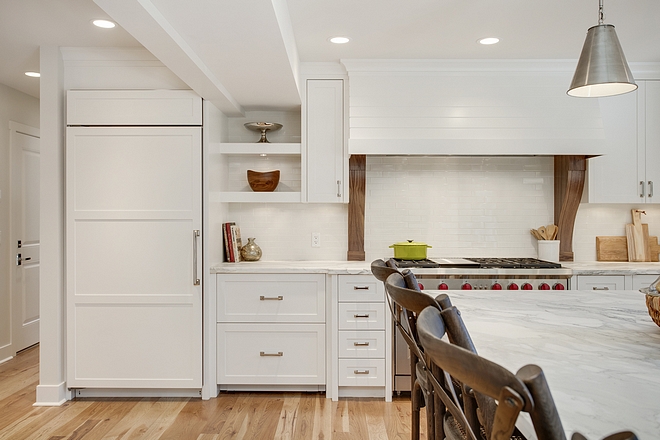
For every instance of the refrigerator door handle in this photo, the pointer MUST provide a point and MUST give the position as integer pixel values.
(195, 276)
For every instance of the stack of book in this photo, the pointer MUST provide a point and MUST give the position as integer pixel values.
(233, 243)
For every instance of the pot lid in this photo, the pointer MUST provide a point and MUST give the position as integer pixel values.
(410, 243)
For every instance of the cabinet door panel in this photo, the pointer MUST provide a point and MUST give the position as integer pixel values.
(652, 154)
(643, 280)
(325, 141)
(134, 310)
(612, 177)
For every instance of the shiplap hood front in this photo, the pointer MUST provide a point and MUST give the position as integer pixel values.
(458, 107)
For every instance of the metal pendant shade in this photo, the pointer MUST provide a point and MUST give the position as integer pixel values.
(602, 69)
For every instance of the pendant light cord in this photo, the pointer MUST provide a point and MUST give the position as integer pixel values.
(600, 12)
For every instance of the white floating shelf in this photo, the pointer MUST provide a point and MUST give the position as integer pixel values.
(255, 148)
(255, 197)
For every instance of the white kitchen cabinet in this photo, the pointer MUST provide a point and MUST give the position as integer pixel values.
(601, 282)
(133, 249)
(364, 343)
(270, 331)
(325, 159)
(643, 280)
(627, 173)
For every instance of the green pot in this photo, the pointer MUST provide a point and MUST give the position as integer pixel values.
(410, 250)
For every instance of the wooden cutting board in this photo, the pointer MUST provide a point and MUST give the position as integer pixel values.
(616, 248)
(637, 246)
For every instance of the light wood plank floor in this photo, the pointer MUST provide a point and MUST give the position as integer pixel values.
(260, 416)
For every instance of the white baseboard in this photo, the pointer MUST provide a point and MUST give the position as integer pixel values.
(52, 395)
(377, 392)
(276, 388)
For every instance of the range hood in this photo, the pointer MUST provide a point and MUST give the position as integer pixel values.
(478, 108)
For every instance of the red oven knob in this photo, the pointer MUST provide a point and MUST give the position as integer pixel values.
(527, 286)
(443, 286)
(512, 286)
(544, 286)
(558, 286)
(466, 286)
(496, 286)
(421, 286)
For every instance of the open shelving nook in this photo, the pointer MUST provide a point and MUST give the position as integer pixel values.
(236, 158)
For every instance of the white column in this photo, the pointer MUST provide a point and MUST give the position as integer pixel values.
(52, 388)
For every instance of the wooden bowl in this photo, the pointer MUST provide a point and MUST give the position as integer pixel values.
(263, 181)
(653, 305)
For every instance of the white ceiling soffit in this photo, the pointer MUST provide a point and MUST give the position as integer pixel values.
(240, 55)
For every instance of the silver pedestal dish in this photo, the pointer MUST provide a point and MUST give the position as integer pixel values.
(263, 127)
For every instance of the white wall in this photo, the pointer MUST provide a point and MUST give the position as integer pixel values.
(18, 107)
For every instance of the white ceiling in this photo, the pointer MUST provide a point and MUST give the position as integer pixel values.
(245, 54)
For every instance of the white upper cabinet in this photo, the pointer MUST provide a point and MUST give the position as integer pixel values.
(649, 162)
(626, 173)
(325, 162)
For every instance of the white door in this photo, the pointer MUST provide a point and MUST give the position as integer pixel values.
(24, 144)
(134, 299)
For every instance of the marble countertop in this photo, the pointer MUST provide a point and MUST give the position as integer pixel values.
(329, 267)
(362, 267)
(600, 352)
(611, 268)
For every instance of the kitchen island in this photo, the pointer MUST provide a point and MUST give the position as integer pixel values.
(600, 352)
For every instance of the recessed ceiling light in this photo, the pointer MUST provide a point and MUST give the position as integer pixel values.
(489, 40)
(339, 40)
(33, 74)
(106, 24)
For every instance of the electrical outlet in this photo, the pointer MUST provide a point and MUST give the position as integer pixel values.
(316, 239)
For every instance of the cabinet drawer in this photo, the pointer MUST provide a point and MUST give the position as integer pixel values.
(271, 354)
(360, 288)
(605, 282)
(362, 316)
(271, 298)
(362, 344)
(643, 280)
(361, 372)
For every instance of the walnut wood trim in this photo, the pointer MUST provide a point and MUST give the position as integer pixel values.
(570, 172)
(357, 187)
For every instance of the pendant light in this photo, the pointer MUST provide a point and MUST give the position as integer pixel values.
(602, 69)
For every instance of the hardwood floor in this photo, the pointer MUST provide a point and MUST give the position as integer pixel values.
(260, 416)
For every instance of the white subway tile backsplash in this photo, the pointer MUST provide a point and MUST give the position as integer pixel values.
(462, 206)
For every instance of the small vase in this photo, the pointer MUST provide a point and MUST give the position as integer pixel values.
(251, 251)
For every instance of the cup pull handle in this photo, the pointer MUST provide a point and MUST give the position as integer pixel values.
(361, 344)
(271, 298)
(263, 353)
(601, 288)
(366, 315)
(360, 371)
(360, 287)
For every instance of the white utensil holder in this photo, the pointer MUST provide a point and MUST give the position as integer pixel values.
(549, 250)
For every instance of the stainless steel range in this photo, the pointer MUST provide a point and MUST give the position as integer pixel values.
(473, 274)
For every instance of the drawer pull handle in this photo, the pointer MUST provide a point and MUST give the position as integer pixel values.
(360, 287)
(366, 315)
(263, 353)
(601, 288)
(361, 344)
(360, 371)
(271, 298)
